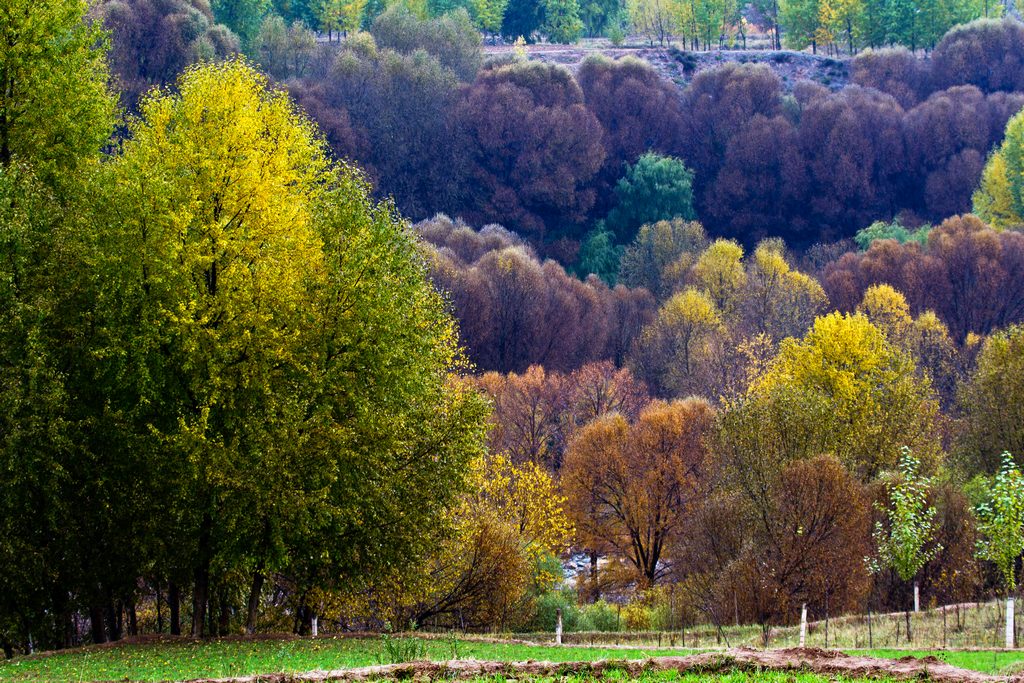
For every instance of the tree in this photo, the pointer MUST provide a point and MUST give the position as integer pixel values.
(801, 20)
(600, 255)
(655, 188)
(672, 354)
(239, 328)
(339, 16)
(638, 110)
(56, 112)
(1002, 528)
(450, 38)
(968, 274)
(562, 23)
(284, 51)
(632, 485)
(655, 19)
(719, 271)
(152, 41)
(1001, 523)
(488, 15)
(658, 247)
(993, 402)
(391, 113)
(55, 108)
(863, 391)
(905, 543)
(894, 71)
(243, 17)
(987, 53)
(993, 200)
(534, 147)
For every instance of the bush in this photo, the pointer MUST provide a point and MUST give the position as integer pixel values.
(546, 615)
(636, 616)
(601, 616)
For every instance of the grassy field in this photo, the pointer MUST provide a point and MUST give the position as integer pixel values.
(177, 660)
(183, 659)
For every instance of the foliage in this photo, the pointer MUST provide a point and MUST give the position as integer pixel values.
(534, 147)
(1001, 522)
(451, 38)
(562, 23)
(905, 543)
(969, 275)
(655, 188)
(632, 486)
(880, 230)
(54, 98)
(600, 255)
(655, 249)
(993, 402)
(152, 41)
(243, 17)
(993, 200)
(867, 400)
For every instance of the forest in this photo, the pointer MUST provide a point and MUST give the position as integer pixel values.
(304, 332)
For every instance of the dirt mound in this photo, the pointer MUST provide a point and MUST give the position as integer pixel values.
(809, 659)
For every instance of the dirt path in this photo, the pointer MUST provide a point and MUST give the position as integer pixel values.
(809, 659)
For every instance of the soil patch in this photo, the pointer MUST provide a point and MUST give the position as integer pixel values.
(814, 660)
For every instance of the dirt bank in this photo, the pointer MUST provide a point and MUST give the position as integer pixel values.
(808, 659)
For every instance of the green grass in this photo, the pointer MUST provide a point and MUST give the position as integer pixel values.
(184, 659)
(676, 677)
(176, 660)
(987, 661)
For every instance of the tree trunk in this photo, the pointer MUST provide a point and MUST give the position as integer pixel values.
(224, 619)
(133, 622)
(199, 600)
(174, 607)
(252, 611)
(159, 611)
(112, 618)
(99, 632)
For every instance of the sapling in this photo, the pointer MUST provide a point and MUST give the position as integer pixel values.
(904, 545)
(1001, 524)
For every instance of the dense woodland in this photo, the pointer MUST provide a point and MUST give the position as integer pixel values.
(742, 346)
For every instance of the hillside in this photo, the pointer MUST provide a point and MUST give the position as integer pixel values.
(680, 66)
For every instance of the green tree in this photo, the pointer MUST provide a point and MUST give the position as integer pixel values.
(1000, 197)
(600, 255)
(488, 15)
(993, 402)
(242, 16)
(275, 342)
(562, 22)
(55, 106)
(905, 543)
(1001, 523)
(655, 188)
(56, 112)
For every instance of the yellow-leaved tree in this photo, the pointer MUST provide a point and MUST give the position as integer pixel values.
(844, 390)
(273, 356)
(491, 565)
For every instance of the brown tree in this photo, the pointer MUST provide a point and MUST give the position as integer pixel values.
(639, 111)
(632, 485)
(971, 276)
(534, 147)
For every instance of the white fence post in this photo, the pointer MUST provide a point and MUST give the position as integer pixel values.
(558, 628)
(803, 625)
(917, 598)
(1009, 623)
